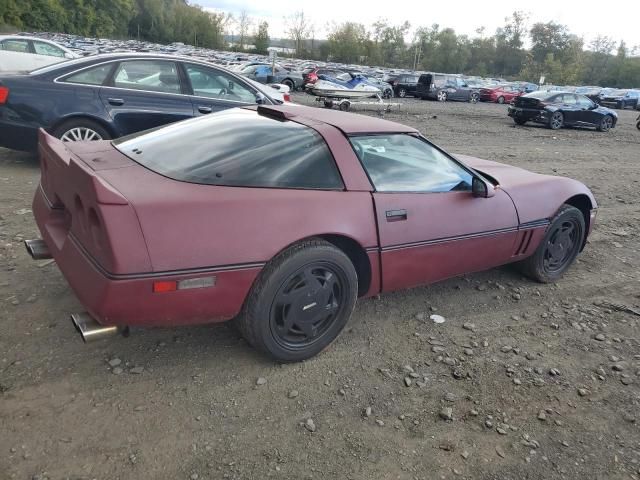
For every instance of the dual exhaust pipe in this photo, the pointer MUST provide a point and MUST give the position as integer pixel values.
(90, 330)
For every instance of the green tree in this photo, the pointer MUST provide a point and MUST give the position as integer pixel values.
(261, 38)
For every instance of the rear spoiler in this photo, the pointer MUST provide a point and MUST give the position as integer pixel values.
(58, 162)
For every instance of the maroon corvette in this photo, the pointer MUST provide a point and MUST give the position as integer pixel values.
(279, 218)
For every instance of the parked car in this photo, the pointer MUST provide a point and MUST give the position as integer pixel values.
(264, 73)
(404, 85)
(107, 96)
(500, 93)
(561, 109)
(591, 92)
(20, 53)
(280, 217)
(621, 99)
(443, 87)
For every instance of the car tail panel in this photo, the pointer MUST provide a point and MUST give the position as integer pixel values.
(74, 204)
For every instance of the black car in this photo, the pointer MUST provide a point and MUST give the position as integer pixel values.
(443, 87)
(559, 109)
(404, 85)
(108, 96)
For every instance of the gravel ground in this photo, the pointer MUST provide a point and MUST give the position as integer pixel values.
(522, 381)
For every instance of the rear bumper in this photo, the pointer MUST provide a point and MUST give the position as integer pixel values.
(17, 136)
(129, 300)
(529, 114)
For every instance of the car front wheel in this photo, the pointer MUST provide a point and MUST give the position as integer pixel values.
(559, 247)
(402, 93)
(519, 121)
(442, 96)
(301, 301)
(606, 123)
(501, 100)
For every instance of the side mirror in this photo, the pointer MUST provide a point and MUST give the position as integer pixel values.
(260, 98)
(479, 188)
(68, 55)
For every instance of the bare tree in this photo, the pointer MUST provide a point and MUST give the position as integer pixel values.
(298, 29)
(244, 22)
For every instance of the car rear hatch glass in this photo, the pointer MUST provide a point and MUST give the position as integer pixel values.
(236, 147)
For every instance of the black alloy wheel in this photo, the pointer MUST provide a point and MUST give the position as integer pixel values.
(556, 121)
(300, 302)
(562, 245)
(306, 305)
(559, 248)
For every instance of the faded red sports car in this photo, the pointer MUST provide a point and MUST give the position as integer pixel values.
(500, 93)
(279, 218)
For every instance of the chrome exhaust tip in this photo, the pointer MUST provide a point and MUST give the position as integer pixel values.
(37, 249)
(90, 330)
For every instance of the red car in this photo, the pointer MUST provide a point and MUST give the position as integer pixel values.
(278, 218)
(500, 93)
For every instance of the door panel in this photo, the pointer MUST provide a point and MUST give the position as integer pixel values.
(145, 94)
(441, 235)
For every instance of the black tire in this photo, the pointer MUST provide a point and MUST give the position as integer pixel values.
(328, 104)
(638, 125)
(556, 121)
(519, 121)
(290, 84)
(388, 93)
(344, 106)
(500, 100)
(82, 124)
(402, 93)
(558, 249)
(474, 98)
(293, 281)
(606, 123)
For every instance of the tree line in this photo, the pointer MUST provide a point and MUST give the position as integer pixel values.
(556, 53)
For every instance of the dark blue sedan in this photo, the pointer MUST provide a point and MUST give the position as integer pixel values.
(108, 96)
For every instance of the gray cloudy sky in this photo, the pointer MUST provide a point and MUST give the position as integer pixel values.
(583, 17)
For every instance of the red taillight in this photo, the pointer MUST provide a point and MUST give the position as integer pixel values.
(165, 286)
(4, 94)
(287, 97)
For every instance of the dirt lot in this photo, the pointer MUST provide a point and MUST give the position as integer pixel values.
(186, 404)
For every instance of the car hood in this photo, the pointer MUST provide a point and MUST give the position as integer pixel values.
(534, 195)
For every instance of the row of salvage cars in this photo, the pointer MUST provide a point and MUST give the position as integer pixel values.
(271, 216)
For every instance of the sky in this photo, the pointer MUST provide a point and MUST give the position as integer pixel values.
(464, 16)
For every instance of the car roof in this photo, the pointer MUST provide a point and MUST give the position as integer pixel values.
(348, 123)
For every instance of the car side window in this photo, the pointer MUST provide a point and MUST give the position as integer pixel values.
(20, 46)
(212, 83)
(149, 75)
(47, 49)
(91, 76)
(405, 163)
(569, 99)
(439, 81)
(584, 102)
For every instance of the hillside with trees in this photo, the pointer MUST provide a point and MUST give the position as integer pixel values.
(515, 50)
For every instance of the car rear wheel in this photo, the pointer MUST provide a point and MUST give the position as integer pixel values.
(519, 121)
(605, 123)
(301, 302)
(289, 84)
(442, 96)
(474, 98)
(402, 93)
(81, 130)
(559, 247)
(556, 121)
(500, 100)
(388, 93)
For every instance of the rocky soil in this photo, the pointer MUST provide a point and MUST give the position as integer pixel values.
(520, 381)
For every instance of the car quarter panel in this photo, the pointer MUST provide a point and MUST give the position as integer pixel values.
(194, 226)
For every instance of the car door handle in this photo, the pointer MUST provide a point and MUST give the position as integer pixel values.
(396, 215)
(203, 109)
(116, 101)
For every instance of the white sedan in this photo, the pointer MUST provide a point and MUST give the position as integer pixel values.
(20, 53)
